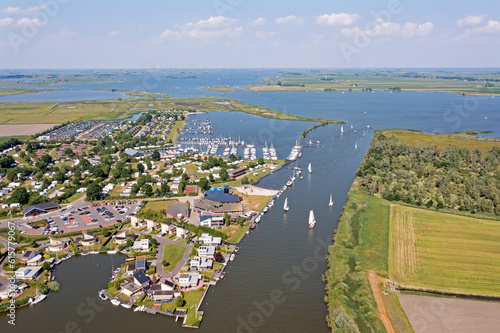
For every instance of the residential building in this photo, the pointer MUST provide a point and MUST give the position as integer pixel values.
(28, 254)
(206, 251)
(167, 228)
(188, 280)
(200, 263)
(56, 244)
(209, 240)
(235, 173)
(211, 221)
(88, 239)
(181, 232)
(35, 261)
(28, 273)
(141, 245)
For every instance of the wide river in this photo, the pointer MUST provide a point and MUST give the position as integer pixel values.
(274, 284)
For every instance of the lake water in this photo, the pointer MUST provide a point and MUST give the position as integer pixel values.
(274, 284)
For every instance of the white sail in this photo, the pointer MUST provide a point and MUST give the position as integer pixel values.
(285, 206)
(312, 221)
(342, 129)
(310, 168)
(331, 201)
(356, 146)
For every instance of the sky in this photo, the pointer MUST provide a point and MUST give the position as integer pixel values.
(249, 34)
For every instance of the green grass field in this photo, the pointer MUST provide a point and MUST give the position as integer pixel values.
(173, 254)
(234, 233)
(158, 205)
(7, 138)
(444, 140)
(361, 81)
(438, 251)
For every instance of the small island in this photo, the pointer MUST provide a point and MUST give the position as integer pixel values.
(219, 88)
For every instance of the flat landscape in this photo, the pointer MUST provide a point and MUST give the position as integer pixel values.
(448, 315)
(444, 140)
(438, 251)
(24, 130)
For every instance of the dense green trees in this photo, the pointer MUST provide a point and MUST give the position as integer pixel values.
(453, 177)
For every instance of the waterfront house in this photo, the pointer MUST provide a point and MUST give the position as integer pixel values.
(141, 265)
(199, 263)
(188, 280)
(35, 261)
(141, 245)
(167, 284)
(35, 210)
(129, 269)
(130, 289)
(211, 221)
(123, 236)
(56, 244)
(209, 240)
(142, 280)
(28, 254)
(206, 251)
(28, 273)
(88, 239)
(11, 287)
(178, 211)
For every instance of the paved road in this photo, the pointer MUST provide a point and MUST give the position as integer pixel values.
(159, 257)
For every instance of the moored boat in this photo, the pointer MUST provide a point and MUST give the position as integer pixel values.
(115, 302)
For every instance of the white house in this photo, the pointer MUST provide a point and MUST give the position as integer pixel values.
(206, 251)
(187, 280)
(201, 263)
(167, 228)
(28, 273)
(181, 232)
(211, 221)
(209, 240)
(141, 245)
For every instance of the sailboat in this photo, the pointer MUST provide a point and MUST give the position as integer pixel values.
(351, 126)
(285, 206)
(312, 220)
(363, 132)
(342, 129)
(330, 203)
(309, 168)
(356, 145)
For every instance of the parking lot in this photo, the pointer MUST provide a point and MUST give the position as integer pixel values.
(88, 217)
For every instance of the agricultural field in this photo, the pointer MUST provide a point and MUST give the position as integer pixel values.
(377, 81)
(464, 140)
(23, 130)
(438, 251)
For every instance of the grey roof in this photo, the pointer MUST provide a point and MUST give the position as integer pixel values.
(177, 209)
(43, 207)
(141, 278)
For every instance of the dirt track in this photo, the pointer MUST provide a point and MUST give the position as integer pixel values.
(374, 282)
(29, 129)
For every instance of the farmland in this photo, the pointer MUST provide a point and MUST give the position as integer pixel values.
(443, 140)
(438, 251)
(470, 84)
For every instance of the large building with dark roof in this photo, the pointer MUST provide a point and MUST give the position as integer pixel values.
(35, 210)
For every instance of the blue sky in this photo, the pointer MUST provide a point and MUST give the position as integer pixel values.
(248, 33)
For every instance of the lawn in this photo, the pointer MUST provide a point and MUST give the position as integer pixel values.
(176, 130)
(438, 251)
(254, 202)
(7, 138)
(234, 233)
(444, 140)
(158, 205)
(173, 254)
(192, 299)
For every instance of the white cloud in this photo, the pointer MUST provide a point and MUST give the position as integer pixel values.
(201, 34)
(258, 21)
(19, 11)
(213, 22)
(113, 33)
(492, 26)
(6, 21)
(264, 34)
(26, 21)
(470, 20)
(337, 19)
(382, 28)
(290, 19)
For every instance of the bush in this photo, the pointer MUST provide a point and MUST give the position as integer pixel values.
(54, 285)
(43, 289)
